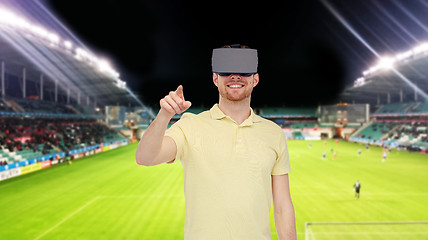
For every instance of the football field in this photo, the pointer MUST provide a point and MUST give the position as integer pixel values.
(109, 196)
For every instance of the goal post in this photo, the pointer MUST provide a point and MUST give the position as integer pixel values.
(366, 230)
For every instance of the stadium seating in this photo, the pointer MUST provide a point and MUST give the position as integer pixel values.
(298, 135)
(395, 108)
(15, 107)
(295, 122)
(4, 107)
(404, 109)
(41, 106)
(299, 125)
(420, 107)
(376, 130)
(410, 134)
(22, 138)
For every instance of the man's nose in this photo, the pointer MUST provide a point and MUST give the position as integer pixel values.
(235, 76)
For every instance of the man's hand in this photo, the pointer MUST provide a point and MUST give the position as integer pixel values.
(154, 147)
(174, 103)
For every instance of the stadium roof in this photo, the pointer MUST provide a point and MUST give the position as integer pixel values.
(32, 38)
(402, 80)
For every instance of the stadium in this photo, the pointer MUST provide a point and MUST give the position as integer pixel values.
(70, 127)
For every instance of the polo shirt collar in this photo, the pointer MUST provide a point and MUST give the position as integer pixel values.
(217, 114)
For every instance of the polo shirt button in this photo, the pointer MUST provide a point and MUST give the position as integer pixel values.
(239, 140)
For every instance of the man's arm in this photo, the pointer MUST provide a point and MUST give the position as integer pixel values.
(283, 208)
(155, 148)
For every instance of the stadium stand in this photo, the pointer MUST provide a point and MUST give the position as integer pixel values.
(297, 123)
(401, 125)
(29, 106)
(376, 130)
(395, 108)
(397, 96)
(414, 133)
(53, 93)
(420, 107)
(24, 139)
(396, 124)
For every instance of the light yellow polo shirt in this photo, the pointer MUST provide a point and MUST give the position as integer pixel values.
(227, 172)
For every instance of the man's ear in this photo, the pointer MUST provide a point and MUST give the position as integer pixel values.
(256, 79)
(215, 78)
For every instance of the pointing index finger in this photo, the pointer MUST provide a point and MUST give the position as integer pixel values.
(179, 92)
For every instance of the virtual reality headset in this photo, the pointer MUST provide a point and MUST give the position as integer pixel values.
(234, 60)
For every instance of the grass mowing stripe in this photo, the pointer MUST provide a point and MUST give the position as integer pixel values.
(148, 202)
(66, 218)
(161, 218)
(368, 166)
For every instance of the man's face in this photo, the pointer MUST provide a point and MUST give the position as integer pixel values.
(235, 87)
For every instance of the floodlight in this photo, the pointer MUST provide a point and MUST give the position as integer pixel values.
(15, 22)
(68, 44)
(404, 55)
(7, 17)
(53, 37)
(81, 53)
(103, 65)
(92, 59)
(40, 31)
(421, 48)
(21, 23)
(373, 69)
(114, 73)
(386, 62)
(120, 84)
(359, 82)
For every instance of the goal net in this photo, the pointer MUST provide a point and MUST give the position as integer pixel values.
(366, 230)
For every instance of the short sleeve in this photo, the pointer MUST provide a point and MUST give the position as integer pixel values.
(178, 133)
(282, 164)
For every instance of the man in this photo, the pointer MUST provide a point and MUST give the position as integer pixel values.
(357, 187)
(384, 155)
(234, 162)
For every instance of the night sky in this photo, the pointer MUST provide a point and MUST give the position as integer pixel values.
(306, 56)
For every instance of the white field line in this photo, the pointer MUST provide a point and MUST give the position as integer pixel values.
(145, 196)
(368, 233)
(365, 193)
(313, 233)
(68, 217)
(99, 197)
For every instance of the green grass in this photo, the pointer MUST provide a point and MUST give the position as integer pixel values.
(108, 196)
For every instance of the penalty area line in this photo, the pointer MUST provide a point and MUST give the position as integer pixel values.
(67, 217)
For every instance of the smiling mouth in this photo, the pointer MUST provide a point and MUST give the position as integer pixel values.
(235, 86)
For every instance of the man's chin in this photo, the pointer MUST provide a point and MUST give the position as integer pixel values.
(236, 98)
